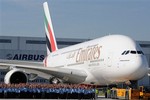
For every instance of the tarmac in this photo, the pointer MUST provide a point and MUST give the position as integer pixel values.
(103, 98)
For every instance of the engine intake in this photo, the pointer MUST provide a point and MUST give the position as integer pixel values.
(15, 76)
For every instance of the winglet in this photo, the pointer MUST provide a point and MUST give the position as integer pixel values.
(50, 37)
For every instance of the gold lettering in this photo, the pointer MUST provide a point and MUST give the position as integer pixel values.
(89, 53)
(78, 55)
(97, 53)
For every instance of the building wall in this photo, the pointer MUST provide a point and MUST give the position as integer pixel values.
(34, 49)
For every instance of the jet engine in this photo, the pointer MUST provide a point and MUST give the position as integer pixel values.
(15, 76)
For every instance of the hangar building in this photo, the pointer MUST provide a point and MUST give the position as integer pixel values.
(34, 49)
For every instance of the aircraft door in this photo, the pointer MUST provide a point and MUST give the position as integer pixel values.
(109, 59)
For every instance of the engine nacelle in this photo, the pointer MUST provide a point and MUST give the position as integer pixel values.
(15, 76)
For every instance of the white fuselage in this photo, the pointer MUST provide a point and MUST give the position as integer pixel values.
(103, 59)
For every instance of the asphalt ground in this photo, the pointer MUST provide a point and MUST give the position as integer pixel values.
(103, 98)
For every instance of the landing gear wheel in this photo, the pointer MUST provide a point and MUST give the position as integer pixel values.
(54, 80)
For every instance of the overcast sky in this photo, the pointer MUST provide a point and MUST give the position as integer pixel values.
(87, 19)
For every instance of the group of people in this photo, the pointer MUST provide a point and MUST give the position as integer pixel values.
(46, 91)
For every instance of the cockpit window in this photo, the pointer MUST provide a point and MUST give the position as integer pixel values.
(140, 52)
(127, 52)
(132, 52)
(123, 53)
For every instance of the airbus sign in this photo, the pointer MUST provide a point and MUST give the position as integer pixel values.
(25, 57)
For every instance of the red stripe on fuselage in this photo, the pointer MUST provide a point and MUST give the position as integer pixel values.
(45, 62)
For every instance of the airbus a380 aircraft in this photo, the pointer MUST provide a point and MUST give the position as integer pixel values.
(108, 60)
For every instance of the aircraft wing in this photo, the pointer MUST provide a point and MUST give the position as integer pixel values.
(68, 75)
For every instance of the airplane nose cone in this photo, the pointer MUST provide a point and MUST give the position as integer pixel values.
(139, 67)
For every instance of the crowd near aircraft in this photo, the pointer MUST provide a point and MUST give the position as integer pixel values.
(107, 60)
